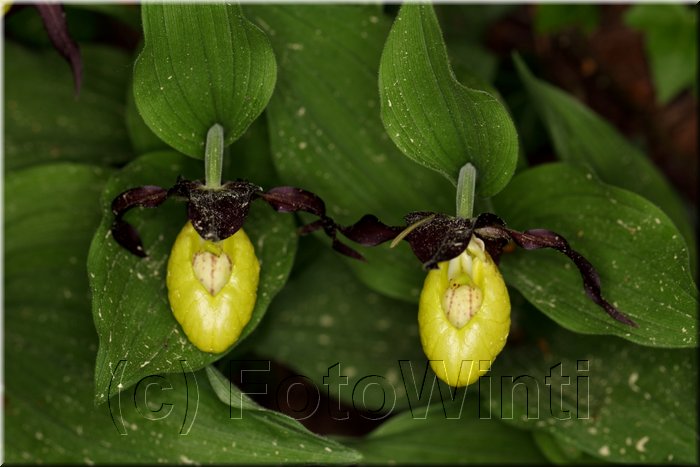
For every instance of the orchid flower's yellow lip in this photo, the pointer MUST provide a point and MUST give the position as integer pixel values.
(212, 287)
(459, 355)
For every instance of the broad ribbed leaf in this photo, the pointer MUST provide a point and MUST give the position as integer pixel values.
(671, 42)
(201, 64)
(129, 290)
(326, 134)
(583, 138)
(463, 439)
(45, 122)
(309, 447)
(432, 118)
(51, 213)
(609, 398)
(640, 256)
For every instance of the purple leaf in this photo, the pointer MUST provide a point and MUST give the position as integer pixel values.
(54, 20)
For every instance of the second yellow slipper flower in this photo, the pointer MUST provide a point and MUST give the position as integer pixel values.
(464, 315)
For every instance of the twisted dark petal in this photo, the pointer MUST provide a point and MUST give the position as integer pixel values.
(540, 238)
(218, 214)
(312, 227)
(291, 199)
(126, 235)
(149, 196)
(370, 231)
(491, 230)
(183, 187)
(54, 21)
(439, 239)
(340, 247)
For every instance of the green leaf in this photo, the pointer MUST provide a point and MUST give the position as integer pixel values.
(128, 14)
(465, 439)
(642, 259)
(201, 64)
(325, 130)
(583, 138)
(142, 139)
(671, 41)
(551, 18)
(431, 117)
(50, 216)
(311, 447)
(130, 303)
(560, 453)
(45, 122)
(325, 317)
(607, 397)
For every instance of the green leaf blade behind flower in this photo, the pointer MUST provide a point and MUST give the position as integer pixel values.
(47, 123)
(583, 138)
(464, 439)
(327, 317)
(641, 257)
(431, 117)
(326, 133)
(611, 399)
(671, 42)
(201, 64)
(128, 290)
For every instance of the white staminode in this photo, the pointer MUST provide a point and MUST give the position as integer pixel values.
(463, 298)
(211, 270)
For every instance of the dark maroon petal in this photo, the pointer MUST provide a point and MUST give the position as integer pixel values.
(149, 196)
(127, 236)
(183, 187)
(370, 231)
(491, 230)
(439, 239)
(56, 27)
(218, 214)
(291, 199)
(540, 238)
(312, 227)
(340, 247)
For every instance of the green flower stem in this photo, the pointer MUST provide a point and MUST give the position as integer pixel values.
(465, 191)
(214, 156)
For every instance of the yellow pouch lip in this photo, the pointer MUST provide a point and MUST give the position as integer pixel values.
(481, 339)
(212, 323)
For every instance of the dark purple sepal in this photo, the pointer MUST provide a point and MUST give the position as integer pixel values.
(491, 230)
(341, 247)
(126, 235)
(216, 214)
(439, 239)
(540, 238)
(312, 227)
(149, 196)
(292, 199)
(53, 17)
(370, 231)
